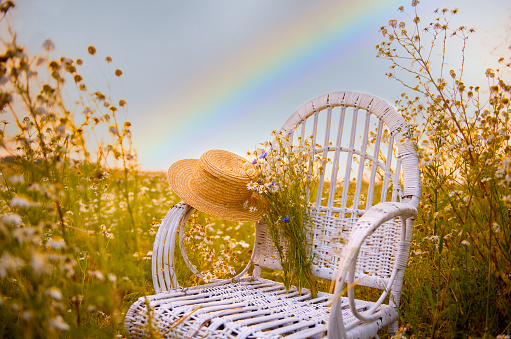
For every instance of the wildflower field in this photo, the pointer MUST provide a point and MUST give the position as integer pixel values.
(78, 217)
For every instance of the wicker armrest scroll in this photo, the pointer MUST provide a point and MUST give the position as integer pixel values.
(164, 275)
(364, 227)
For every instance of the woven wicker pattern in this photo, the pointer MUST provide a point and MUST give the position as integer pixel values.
(213, 312)
(376, 258)
(363, 220)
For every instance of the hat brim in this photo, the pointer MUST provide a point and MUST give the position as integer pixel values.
(179, 177)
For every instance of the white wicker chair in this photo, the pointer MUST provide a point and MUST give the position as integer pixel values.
(363, 215)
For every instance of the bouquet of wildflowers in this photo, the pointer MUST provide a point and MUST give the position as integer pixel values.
(287, 174)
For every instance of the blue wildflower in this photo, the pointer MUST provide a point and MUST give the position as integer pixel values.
(286, 219)
(254, 162)
(262, 156)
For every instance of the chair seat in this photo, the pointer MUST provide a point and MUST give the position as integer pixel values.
(246, 309)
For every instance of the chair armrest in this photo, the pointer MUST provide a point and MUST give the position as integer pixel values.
(365, 226)
(163, 272)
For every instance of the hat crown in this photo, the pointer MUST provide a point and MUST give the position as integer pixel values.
(226, 165)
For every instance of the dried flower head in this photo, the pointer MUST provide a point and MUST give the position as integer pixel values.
(48, 45)
(53, 65)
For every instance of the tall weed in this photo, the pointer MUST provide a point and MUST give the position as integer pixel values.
(458, 280)
(75, 213)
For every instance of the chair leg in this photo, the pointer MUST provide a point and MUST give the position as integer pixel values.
(393, 328)
(257, 272)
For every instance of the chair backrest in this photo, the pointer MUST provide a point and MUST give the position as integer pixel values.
(372, 161)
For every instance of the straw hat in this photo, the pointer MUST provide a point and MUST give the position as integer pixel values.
(216, 184)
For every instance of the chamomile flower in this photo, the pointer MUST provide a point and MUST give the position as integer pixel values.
(59, 323)
(252, 186)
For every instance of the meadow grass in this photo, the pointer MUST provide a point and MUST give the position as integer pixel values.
(82, 284)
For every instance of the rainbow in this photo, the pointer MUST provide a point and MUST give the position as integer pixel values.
(321, 36)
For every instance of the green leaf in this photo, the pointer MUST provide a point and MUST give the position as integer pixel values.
(430, 296)
(441, 244)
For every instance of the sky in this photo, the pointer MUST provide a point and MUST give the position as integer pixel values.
(222, 74)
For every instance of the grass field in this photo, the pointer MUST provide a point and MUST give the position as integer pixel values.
(87, 274)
